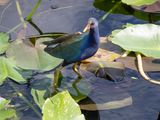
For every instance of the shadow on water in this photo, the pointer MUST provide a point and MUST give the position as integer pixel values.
(156, 61)
(22, 109)
(158, 117)
(90, 115)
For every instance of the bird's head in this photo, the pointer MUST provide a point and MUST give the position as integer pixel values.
(92, 23)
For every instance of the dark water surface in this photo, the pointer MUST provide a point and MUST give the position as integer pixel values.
(70, 16)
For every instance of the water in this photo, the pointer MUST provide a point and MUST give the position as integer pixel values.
(71, 16)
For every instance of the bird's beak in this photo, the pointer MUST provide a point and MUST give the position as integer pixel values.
(86, 28)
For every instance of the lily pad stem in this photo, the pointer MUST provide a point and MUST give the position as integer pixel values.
(140, 69)
(20, 14)
(14, 28)
(109, 12)
(29, 16)
(125, 54)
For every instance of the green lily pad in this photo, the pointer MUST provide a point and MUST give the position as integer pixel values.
(3, 42)
(114, 32)
(139, 2)
(31, 57)
(38, 96)
(7, 69)
(6, 113)
(60, 107)
(140, 38)
(109, 7)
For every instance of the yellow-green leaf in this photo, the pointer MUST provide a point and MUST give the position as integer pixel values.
(143, 38)
(3, 42)
(7, 69)
(139, 2)
(61, 107)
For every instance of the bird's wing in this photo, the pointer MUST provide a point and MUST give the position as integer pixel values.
(53, 35)
(61, 39)
(69, 49)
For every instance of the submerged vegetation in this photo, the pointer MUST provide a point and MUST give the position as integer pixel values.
(56, 97)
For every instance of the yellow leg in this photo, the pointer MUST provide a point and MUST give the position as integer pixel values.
(76, 70)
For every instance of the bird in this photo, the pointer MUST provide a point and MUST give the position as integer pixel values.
(73, 48)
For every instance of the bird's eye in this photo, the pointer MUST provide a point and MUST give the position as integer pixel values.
(92, 23)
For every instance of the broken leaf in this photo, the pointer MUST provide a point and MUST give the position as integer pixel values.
(7, 69)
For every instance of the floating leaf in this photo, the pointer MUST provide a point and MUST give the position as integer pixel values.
(7, 69)
(114, 32)
(60, 107)
(32, 57)
(6, 113)
(140, 38)
(3, 42)
(139, 2)
(154, 8)
(38, 96)
(108, 5)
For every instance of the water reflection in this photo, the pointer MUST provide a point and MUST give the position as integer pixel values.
(115, 104)
(89, 115)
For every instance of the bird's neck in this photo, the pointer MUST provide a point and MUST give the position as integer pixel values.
(94, 37)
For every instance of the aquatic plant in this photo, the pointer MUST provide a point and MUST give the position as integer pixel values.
(127, 7)
(142, 39)
(6, 110)
(3, 42)
(139, 2)
(28, 56)
(61, 106)
(8, 69)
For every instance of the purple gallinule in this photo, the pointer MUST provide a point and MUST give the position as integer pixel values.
(76, 47)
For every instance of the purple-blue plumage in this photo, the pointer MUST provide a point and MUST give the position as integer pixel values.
(76, 47)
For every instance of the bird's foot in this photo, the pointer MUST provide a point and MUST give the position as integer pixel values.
(80, 76)
(76, 70)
